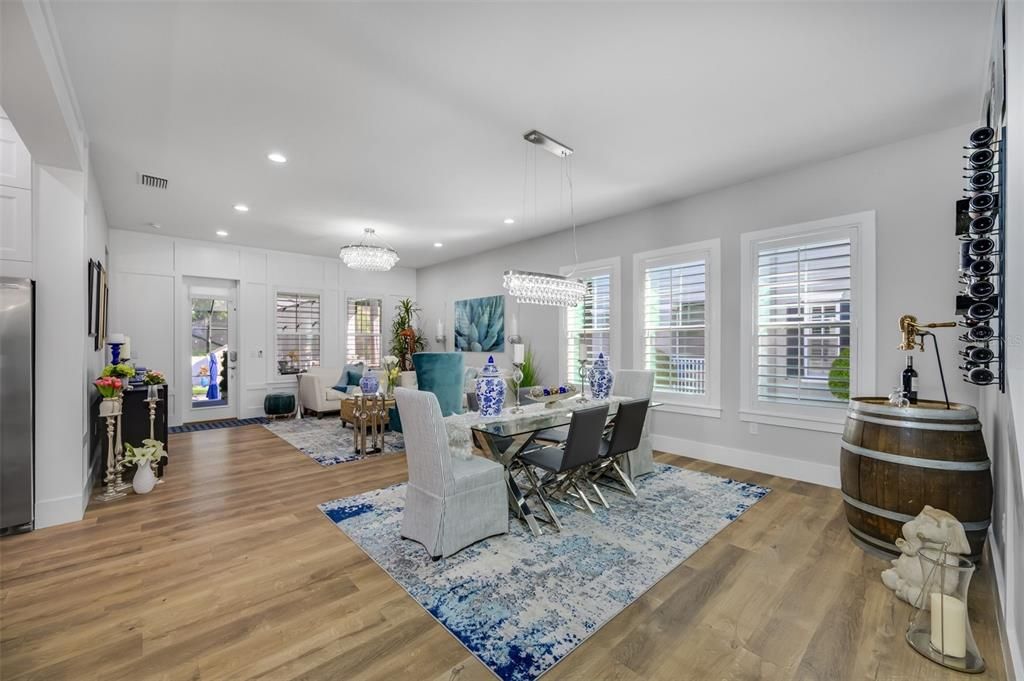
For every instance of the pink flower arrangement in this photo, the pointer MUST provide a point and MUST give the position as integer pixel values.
(109, 386)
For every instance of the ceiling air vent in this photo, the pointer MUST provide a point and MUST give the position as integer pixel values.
(152, 181)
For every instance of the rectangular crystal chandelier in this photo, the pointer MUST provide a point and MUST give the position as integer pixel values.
(537, 288)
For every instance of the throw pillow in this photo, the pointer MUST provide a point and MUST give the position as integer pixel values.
(341, 388)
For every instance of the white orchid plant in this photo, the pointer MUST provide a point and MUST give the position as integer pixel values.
(150, 451)
(392, 371)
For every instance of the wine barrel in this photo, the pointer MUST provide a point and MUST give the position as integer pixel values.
(895, 460)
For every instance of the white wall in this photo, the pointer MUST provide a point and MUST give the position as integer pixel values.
(911, 184)
(1003, 415)
(148, 301)
(67, 228)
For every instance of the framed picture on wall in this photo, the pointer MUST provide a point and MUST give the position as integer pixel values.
(92, 303)
(102, 296)
(480, 324)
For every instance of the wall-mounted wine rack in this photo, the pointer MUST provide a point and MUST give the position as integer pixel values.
(981, 301)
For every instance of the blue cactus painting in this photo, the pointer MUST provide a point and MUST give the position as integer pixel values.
(480, 324)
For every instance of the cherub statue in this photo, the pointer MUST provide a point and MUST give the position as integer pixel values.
(931, 528)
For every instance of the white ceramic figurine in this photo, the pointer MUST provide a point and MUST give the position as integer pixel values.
(935, 527)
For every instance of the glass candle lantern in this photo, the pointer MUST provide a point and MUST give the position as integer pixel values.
(153, 393)
(939, 627)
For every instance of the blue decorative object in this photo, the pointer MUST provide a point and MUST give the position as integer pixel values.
(115, 352)
(480, 324)
(520, 603)
(490, 389)
(442, 373)
(369, 383)
(213, 392)
(600, 378)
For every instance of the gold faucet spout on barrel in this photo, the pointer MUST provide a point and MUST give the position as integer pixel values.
(910, 330)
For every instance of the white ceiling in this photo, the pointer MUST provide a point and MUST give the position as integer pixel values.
(408, 117)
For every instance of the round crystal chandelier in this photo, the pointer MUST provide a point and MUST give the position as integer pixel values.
(367, 256)
(537, 288)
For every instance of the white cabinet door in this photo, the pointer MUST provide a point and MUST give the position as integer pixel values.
(15, 224)
(15, 163)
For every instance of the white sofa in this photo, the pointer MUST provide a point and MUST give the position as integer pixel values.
(316, 391)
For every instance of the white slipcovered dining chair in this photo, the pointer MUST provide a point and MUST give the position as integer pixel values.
(637, 385)
(449, 503)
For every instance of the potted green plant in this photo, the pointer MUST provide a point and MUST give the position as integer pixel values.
(406, 338)
(144, 458)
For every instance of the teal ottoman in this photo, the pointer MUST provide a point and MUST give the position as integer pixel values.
(279, 404)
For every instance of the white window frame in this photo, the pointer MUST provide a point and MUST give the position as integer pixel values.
(710, 403)
(385, 322)
(302, 291)
(604, 265)
(860, 229)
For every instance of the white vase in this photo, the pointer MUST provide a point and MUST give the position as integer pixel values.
(407, 379)
(110, 406)
(144, 479)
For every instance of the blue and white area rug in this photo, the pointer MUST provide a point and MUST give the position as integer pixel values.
(326, 441)
(521, 603)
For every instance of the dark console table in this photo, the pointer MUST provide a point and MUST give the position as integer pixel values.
(134, 424)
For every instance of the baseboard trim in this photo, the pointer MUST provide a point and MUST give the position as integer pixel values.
(1013, 656)
(69, 509)
(797, 469)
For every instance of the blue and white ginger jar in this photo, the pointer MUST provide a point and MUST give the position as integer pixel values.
(369, 383)
(490, 389)
(601, 378)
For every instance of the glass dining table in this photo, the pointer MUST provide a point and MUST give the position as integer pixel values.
(504, 438)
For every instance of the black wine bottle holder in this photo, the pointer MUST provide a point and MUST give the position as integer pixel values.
(981, 302)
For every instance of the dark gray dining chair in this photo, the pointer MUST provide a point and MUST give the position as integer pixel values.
(627, 431)
(582, 449)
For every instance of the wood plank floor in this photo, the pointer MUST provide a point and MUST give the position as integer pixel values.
(229, 571)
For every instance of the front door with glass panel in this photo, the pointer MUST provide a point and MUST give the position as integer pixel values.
(213, 355)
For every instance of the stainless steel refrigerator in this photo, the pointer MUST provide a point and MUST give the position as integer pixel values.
(17, 377)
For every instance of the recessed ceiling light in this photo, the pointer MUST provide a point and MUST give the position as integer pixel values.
(221, 232)
(241, 208)
(438, 244)
(510, 221)
(277, 157)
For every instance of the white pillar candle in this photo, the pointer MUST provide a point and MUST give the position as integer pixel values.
(949, 625)
(126, 349)
(440, 328)
(115, 338)
(518, 353)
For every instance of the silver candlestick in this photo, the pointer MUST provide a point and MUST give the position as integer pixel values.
(111, 492)
(517, 379)
(151, 399)
(583, 379)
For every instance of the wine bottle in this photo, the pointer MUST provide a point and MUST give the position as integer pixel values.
(982, 137)
(910, 380)
(978, 354)
(980, 375)
(981, 158)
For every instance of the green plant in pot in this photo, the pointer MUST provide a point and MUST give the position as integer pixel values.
(122, 370)
(406, 338)
(839, 375)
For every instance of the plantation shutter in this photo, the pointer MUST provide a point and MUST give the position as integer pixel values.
(298, 331)
(674, 323)
(803, 322)
(588, 325)
(364, 331)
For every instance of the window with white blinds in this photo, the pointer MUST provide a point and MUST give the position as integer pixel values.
(588, 326)
(297, 321)
(363, 330)
(804, 308)
(673, 316)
